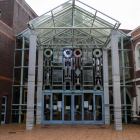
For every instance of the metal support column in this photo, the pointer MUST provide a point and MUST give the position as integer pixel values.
(116, 80)
(106, 87)
(124, 88)
(21, 80)
(31, 81)
(39, 86)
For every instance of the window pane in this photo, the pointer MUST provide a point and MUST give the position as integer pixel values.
(3, 100)
(2, 117)
(3, 109)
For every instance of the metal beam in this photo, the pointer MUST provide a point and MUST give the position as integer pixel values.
(73, 44)
(98, 11)
(84, 37)
(73, 37)
(93, 20)
(94, 28)
(73, 12)
(53, 20)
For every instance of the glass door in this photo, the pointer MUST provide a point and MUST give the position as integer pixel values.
(47, 107)
(67, 108)
(73, 108)
(3, 113)
(98, 109)
(78, 108)
(88, 108)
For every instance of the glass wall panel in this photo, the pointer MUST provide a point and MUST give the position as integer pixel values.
(88, 78)
(18, 43)
(16, 95)
(18, 56)
(17, 76)
(57, 57)
(15, 118)
(25, 76)
(57, 106)
(26, 57)
(24, 95)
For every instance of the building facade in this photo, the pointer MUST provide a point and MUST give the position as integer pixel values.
(74, 66)
(12, 22)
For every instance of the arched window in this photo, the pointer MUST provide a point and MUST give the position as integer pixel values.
(128, 97)
(137, 56)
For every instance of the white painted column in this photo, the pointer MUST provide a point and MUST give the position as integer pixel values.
(134, 107)
(106, 87)
(39, 86)
(31, 81)
(116, 80)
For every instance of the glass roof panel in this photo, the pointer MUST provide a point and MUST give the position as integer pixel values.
(73, 15)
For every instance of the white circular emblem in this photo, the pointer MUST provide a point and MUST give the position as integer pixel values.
(48, 52)
(97, 53)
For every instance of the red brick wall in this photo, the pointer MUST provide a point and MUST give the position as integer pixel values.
(135, 33)
(7, 8)
(15, 15)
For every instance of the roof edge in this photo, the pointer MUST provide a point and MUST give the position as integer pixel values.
(134, 30)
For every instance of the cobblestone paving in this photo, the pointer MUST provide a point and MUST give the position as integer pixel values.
(69, 132)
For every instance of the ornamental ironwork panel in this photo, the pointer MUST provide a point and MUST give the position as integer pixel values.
(77, 68)
(47, 63)
(73, 69)
(67, 69)
(97, 68)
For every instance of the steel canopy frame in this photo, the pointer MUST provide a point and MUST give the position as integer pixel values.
(70, 16)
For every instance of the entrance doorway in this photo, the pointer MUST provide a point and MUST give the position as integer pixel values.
(3, 113)
(84, 108)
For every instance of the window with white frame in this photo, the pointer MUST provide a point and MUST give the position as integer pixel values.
(137, 56)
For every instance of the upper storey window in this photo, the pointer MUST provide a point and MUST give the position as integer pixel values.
(137, 56)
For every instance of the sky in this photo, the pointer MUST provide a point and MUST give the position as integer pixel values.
(127, 12)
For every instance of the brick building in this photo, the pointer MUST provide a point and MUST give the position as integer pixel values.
(12, 22)
(75, 73)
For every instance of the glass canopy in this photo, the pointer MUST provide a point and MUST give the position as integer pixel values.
(73, 24)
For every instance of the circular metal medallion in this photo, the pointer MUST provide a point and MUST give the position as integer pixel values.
(97, 53)
(77, 53)
(48, 52)
(68, 53)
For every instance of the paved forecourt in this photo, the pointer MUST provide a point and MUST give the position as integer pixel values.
(69, 132)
